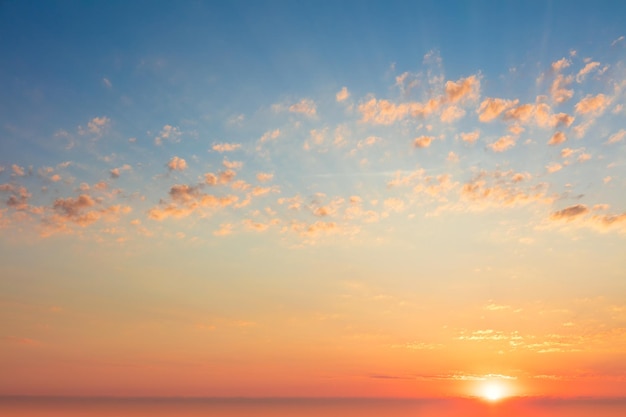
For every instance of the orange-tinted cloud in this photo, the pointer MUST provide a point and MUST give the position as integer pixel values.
(491, 108)
(451, 114)
(586, 70)
(423, 141)
(185, 200)
(616, 137)
(570, 212)
(463, 89)
(304, 106)
(17, 170)
(592, 104)
(168, 133)
(177, 164)
(226, 147)
(470, 137)
(502, 144)
(557, 138)
(342, 94)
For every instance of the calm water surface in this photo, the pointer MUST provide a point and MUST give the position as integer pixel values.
(48, 407)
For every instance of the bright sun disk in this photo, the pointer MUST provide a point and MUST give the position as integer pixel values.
(493, 392)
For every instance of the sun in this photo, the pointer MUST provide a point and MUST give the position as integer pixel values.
(493, 391)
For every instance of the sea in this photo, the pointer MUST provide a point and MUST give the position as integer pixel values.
(307, 407)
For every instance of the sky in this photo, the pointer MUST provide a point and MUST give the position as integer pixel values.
(277, 198)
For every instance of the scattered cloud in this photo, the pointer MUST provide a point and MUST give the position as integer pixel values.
(616, 137)
(177, 164)
(226, 147)
(342, 95)
(169, 133)
(592, 104)
(491, 108)
(470, 137)
(591, 66)
(502, 144)
(304, 106)
(95, 126)
(570, 213)
(423, 141)
(557, 138)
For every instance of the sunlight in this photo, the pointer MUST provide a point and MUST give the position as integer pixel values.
(493, 391)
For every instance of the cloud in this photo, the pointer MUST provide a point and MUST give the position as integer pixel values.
(616, 137)
(557, 138)
(498, 189)
(270, 135)
(168, 133)
(618, 40)
(559, 91)
(342, 94)
(18, 200)
(95, 126)
(226, 147)
(502, 144)
(17, 170)
(224, 230)
(554, 167)
(187, 199)
(586, 70)
(592, 104)
(470, 137)
(463, 89)
(314, 229)
(264, 177)
(116, 172)
(384, 112)
(177, 164)
(491, 108)
(570, 213)
(107, 83)
(423, 141)
(452, 113)
(222, 177)
(82, 211)
(561, 64)
(304, 106)
(232, 164)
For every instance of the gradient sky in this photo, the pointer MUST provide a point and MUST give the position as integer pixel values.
(280, 198)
